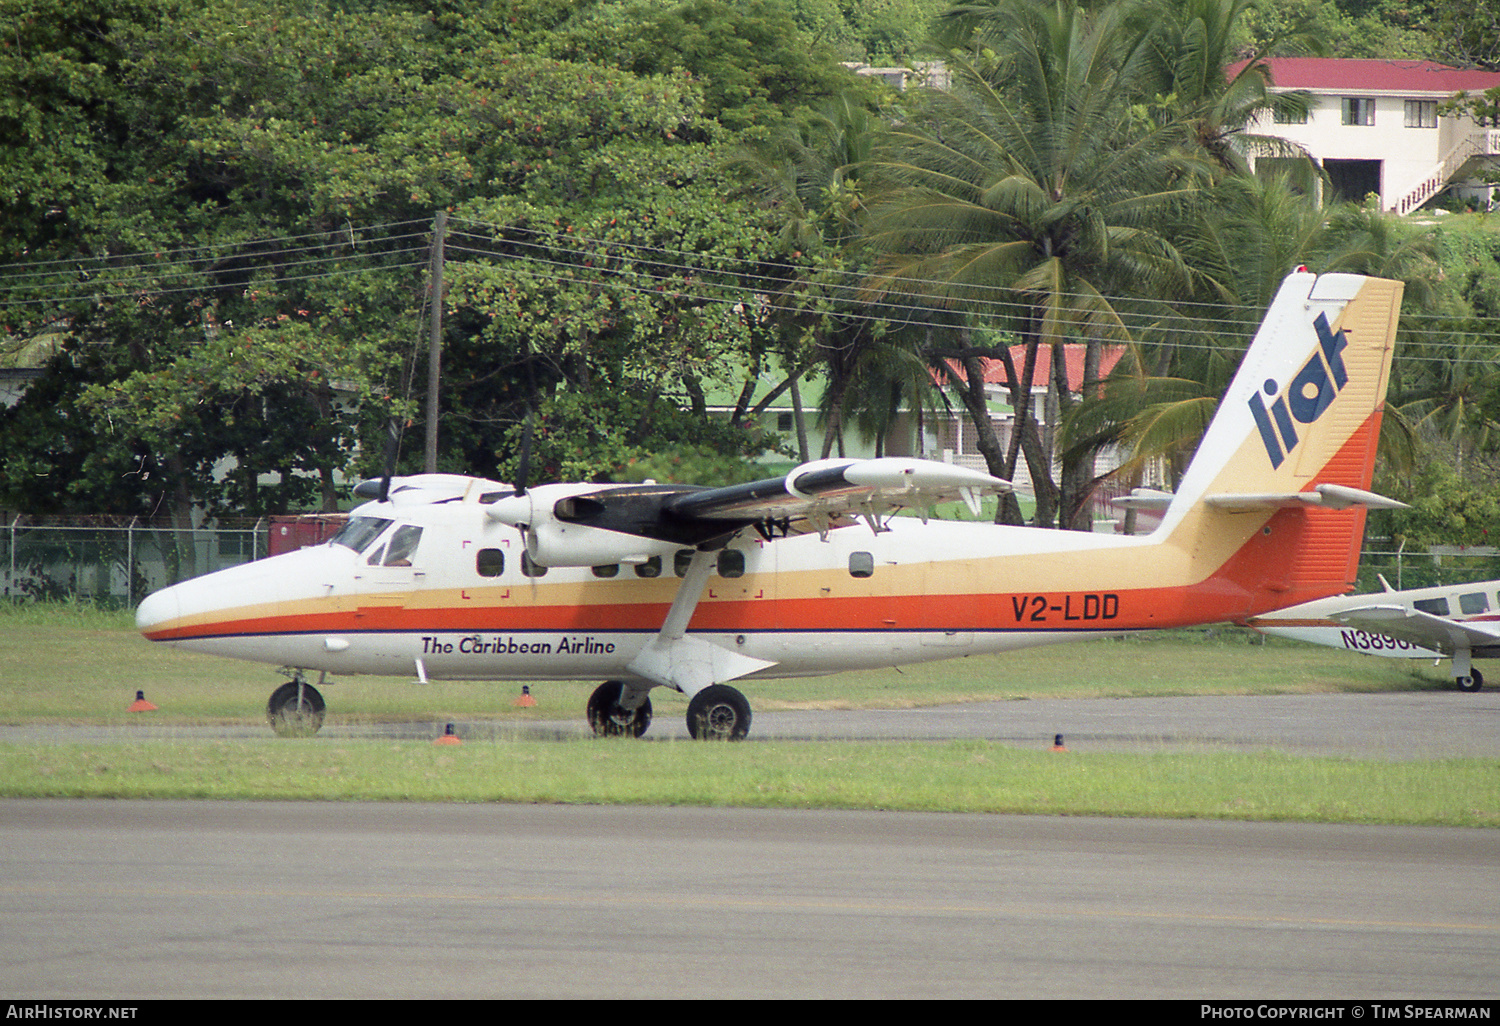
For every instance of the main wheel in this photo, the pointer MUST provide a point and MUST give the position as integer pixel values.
(1473, 682)
(718, 713)
(295, 710)
(609, 718)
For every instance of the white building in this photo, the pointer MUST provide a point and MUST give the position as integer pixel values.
(1374, 127)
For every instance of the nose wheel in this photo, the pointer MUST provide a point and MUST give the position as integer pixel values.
(295, 709)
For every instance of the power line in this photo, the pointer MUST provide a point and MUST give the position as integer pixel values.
(564, 260)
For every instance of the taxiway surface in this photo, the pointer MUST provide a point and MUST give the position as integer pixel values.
(138, 900)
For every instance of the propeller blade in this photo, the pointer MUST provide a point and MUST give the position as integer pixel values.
(392, 447)
(523, 467)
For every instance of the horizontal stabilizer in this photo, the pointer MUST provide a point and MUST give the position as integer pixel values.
(1144, 498)
(1324, 496)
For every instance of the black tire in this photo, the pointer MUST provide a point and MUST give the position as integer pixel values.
(1473, 682)
(608, 719)
(718, 713)
(295, 710)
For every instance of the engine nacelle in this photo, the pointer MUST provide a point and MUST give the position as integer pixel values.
(554, 542)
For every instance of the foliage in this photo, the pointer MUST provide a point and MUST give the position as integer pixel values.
(1447, 510)
(1467, 33)
(1343, 31)
(225, 214)
(226, 211)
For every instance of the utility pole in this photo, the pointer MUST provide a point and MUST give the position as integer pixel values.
(434, 339)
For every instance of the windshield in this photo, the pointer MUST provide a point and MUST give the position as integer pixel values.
(359, 532)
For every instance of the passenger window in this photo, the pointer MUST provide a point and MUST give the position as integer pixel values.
(489, 563)
(650, 568)
(731, 563)
(531, 569)
(861, 564)
(607, 570)
(1475, 602)
(1435, 606)
(680, 562)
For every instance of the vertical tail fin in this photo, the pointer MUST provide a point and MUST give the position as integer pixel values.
(1282, 475)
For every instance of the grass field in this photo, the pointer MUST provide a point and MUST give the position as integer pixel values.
(77, 665)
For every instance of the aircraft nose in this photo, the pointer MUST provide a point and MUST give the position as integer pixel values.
(156, 609)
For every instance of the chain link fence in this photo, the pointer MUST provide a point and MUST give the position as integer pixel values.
(115, 564)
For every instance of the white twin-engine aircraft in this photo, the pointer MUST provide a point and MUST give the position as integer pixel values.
(645, 586)
(1460, 621)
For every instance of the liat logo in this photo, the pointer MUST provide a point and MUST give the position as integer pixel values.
(1311, 392)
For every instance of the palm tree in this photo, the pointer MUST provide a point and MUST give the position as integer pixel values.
(1028, 190)
(1258, 228)
(1198, 72)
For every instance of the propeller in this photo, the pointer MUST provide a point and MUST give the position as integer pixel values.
(523, 466)
(392, 448)
(516, 509)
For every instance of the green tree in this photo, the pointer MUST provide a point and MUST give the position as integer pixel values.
(236, 228)
(1468, 34)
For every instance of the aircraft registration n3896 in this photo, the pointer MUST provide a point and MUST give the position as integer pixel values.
(644, 586)
(1457, 621)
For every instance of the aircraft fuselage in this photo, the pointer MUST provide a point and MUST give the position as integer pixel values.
(469, 606)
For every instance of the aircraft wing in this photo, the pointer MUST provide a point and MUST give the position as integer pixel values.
(826, 488)
(1424, 629)
(586, 525)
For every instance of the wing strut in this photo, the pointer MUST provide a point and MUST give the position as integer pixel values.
(690, 664)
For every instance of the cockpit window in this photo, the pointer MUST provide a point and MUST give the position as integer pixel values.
(403, 544)
(359, 532)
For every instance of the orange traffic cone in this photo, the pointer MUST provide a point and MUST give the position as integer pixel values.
(525, 701)
(1057, 744)
(140, 704)
(448, 738)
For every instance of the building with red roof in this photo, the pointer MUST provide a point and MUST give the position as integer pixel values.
(1374, 127)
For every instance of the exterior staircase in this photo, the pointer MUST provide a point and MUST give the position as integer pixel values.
(1485, 142)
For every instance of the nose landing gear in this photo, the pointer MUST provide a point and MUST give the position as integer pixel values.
(295, 709)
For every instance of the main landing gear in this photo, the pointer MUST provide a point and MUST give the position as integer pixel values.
(1473, 682)
(717, 713)
(616, 712)
(295, 709)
